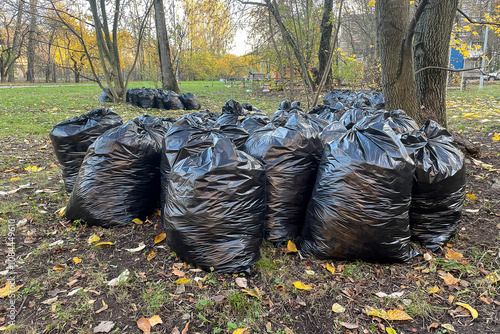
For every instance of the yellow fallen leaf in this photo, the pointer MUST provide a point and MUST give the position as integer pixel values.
(452, 255)
(4, 328)
(291, 247)
(144, 325)
(255, 292)
(471, 196)
(375, 312)
(14, 179)
(240, 330)
(493, 278)
(183, 281)
(310, 272)
(390, 330)
(301, 286)
(77, 260)
(4, 292)
(448, 327)
(151, 256)
(158, 212)
(434, 289)
(106, 243)
(496, 137)
(61, 212)
(371, 3)
(337, 308)
(472, 311)
(449, 279)
(397, 315)
(160, 237)
(154, 320)
(59, 267)
(330, 268)
(93, 238)
(137, 221)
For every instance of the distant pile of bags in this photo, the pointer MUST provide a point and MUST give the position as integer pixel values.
(157, 98)
(360, 186)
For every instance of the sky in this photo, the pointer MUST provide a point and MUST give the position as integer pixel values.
(240, 43)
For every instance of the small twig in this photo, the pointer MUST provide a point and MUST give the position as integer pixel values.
(450, 69)
(21, 307)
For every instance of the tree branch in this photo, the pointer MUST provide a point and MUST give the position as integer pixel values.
(450, 69)
(477, 22)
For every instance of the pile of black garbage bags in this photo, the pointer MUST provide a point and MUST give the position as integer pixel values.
(348, 180)
(157, 98)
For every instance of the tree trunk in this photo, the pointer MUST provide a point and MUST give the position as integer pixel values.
(396, 58)
(431, 44)
(167, 74)
(324, 44)
(30, 74)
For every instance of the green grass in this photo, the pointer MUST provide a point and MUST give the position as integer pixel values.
(34, 110)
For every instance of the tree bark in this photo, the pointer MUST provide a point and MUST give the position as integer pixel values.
(398, 79)
(167, 73)
(30, 74)
(324, 43)
(431, 44)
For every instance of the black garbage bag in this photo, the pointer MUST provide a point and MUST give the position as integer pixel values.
(333, 132)
(133, 96)
(160, 97)
(120, 177)
(104, 97)
(291, 155)
(254, 121)
(232, 112)
(190, 101)
(147, 98)
(361, 199)
(353, 116)
(439, 185)
(214, 213)
(171, 101)
(72, 138)
(397, 119)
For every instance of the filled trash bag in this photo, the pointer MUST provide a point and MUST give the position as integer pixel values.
(291, 155)
(147, 98)
(189, 101)
(254, 121)
(232, 112)
(333, 132)
(133, 96)
(353, 116)
(72, 138)
(104, 97)
(397, 119)
(171, 101)
(120, 177)
(439, 185)
(214, 213)
(360, 205)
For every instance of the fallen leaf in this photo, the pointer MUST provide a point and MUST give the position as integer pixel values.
(434, 325)
(492, 278)
(472, 311)
(4, 328)
(337, 308)
(73, 282)
(71, 293)
(106, 243)
(434, 289)
(175, 331)
(123, 277)
(104, 327)
(103, 308)
(160, 237)
(144, 325)
(31, 303)
(449, 279)
(5, 291)
(137, 221)
(93, 238)
(496, 137)
(151, 256)
(348, 325)
(77, 260)
(451, 299)
(178, 273)
(452, 255)
(218, 298)
(59, 267)
(240, 330)
(448, 327)
(14, 179)
(183, 281)
(186, 328)
(137, 249)
(310, 272)
(330, 268)
(427, 257)
(49, 301)
(301, 286)
(397, 315)
(256, 292)
(471, 196)
(288, 331)
(291, 247)
(241, 282)
(390, 330)
(392, 295)
(375, 312)
(155, 320)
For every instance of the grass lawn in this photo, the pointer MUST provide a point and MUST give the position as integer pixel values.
(61, 279)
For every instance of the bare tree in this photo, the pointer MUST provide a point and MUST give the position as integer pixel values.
(11, 38)
(30, 73)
